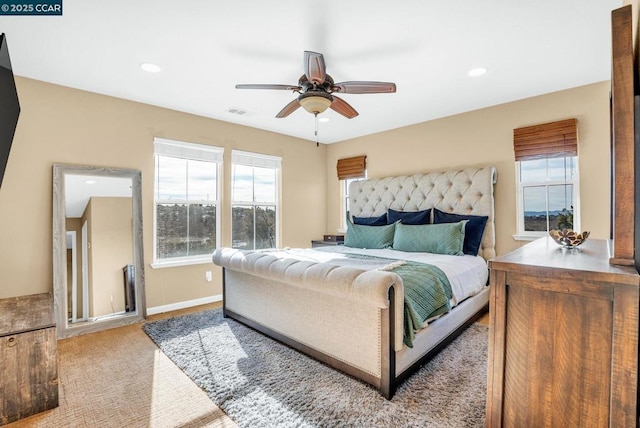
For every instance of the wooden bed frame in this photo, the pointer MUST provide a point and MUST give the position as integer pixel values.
(349, 318)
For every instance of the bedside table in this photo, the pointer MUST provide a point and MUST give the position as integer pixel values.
(320, 243)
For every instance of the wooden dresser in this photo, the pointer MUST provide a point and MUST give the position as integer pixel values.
(28, 357)
(563, 338)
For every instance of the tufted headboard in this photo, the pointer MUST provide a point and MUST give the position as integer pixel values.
(466, 191)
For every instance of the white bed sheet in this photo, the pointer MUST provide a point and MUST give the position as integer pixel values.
(467, 274)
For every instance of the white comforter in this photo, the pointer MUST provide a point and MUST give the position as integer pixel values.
(467, 274)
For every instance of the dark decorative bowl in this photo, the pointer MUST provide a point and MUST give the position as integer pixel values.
(568, 238)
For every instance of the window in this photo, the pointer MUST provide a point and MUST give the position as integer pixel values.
(547, 177)
(345, 192)
(349, 170)
(255, 200)
(547, 195)
(185, 201)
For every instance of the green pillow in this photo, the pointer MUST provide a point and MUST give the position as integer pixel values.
(373, 237)
(444, 238)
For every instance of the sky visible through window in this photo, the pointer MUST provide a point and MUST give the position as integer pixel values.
(541, 172)
(174, 174)
(254, 184)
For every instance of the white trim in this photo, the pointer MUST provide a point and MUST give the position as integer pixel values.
(74, 276)
(85, 272)
(181, 149)
(256, 159)
(183, 305)
(186, 261)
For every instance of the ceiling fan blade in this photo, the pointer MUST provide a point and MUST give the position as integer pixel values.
(268, 86)
(341, 106)
(314, 67)
(364, 87)
(288, 109)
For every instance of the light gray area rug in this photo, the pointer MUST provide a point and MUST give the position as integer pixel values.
(259, 382)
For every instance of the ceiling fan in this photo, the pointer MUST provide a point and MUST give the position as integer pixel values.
(316, 89)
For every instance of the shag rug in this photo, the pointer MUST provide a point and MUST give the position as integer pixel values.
(260, 382)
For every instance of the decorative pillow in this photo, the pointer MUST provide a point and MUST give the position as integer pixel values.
(409, 217)
(474, 230)
(373, 237)
(371, 221)
(445, 238)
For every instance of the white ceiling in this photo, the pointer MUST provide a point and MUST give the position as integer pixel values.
(79, 189)
(425, 47)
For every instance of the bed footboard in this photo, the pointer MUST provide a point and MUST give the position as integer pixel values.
(355, 339)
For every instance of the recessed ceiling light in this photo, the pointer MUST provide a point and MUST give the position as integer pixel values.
(150, 68)
(90, 182)
(475, 72)
(323, 119)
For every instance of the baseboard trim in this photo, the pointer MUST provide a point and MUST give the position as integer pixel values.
(183, 305)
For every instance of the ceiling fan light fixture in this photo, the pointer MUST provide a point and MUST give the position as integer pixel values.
(315, 103)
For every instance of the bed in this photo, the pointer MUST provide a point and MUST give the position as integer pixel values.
(346, 306)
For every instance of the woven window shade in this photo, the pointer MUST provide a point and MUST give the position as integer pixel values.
(549, 140)
(354, 167)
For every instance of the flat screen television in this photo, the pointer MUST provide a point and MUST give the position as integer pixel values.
(9, 106)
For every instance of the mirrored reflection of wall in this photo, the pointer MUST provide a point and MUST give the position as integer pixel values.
(109, 224)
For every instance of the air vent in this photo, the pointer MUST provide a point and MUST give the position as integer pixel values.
(234, 110)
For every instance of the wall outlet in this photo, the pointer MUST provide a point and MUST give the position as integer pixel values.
(207, 276)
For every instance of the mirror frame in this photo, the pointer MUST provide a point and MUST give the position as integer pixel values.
(60, 303)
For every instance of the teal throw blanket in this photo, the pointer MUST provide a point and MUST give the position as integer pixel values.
(427, 293)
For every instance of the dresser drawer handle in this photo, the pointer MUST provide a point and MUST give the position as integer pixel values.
(11, 342)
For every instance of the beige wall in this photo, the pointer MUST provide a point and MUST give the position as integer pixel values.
(485, 137)
(63, 125)
(635, 10)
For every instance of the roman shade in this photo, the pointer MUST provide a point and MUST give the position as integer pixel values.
(180, 149)
(548, 140)
(354, 167)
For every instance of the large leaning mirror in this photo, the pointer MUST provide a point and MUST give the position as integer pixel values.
(98, 277)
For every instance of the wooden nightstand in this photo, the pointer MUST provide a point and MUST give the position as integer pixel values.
(319, 243)
(29, 356)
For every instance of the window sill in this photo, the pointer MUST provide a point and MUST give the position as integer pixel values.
(177, 263)
(526, 237)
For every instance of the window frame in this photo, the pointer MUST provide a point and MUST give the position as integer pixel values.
(189, 151)
(252, 159)
(523, 235)
(344, 205)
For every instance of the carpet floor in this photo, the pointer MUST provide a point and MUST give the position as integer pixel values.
(259, 382)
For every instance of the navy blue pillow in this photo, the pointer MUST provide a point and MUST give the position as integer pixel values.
(371, 221)
(472, 233)
(409, 217)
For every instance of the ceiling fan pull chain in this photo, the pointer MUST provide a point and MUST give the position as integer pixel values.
(316, 120)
